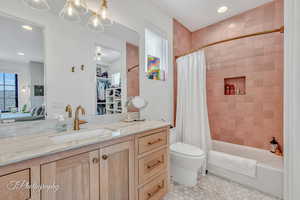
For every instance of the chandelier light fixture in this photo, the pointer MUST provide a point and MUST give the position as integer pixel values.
(98, 53)
(95, 22)
(81, 6)
(41, 5)
(70, 12)
(105, 15)
(74, 9)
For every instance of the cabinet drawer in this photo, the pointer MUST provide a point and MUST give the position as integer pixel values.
(155, 190)
(152, 164)
(9, 186)
(150, 142)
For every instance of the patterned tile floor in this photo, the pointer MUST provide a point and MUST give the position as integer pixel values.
(214, 188)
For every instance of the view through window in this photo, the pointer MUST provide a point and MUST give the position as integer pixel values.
(8, 91)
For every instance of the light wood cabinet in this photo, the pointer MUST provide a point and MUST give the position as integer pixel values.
(117, 172)
(12, 186)
(152, 164)
(152, 141)
(155, 190)
(135, 167)
(77, 177)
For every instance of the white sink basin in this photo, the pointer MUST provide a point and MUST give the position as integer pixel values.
(81, 135)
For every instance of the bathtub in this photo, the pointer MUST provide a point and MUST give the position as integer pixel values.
(269, 168)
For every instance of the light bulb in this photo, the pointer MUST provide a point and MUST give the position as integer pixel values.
(81, 6)
(41, 5)
(69, 12)
(104, 13)
(106, 19)
(95, 23)
(77, 3)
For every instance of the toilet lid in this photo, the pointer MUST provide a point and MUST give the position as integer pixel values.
(186, 149)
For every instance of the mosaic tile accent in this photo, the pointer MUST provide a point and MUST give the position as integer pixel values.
(212, 187)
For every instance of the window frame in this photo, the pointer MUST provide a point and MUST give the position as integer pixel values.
(164, 66)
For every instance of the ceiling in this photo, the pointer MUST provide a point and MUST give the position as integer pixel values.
(109, 55)
(196, 14)
(14, 39)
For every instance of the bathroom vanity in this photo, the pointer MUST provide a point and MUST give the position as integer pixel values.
(121, 161)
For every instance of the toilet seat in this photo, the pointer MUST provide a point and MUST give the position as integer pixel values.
(186, 150)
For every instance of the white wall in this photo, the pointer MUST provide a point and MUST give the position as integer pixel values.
(291, 100)
(37, 78)
(68, 44)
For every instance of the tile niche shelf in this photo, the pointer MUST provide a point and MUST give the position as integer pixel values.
(235, 85)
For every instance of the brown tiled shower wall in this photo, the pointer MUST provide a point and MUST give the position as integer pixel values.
(251, 119)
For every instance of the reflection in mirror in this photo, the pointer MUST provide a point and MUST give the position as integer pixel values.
(132, 57)
(108, 72)
(117, 70)
(21, 71)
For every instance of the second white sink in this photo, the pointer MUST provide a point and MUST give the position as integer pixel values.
(81, 135)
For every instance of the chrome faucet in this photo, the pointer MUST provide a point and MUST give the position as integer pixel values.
(77, 121)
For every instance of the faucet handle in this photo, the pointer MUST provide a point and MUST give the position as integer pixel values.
(69, 110)
(81, 109)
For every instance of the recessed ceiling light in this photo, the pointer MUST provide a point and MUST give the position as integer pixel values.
(21, 54)
(223, 9)
(27, 27)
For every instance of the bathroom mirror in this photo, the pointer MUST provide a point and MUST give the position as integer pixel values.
(109, 87)
(117, 71)
(21, 71)
(76, 56)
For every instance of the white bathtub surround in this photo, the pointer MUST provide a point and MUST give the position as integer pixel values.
(233, 163)
(212, 187)
(269, 167)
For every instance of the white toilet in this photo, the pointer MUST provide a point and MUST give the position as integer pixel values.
(186, 161)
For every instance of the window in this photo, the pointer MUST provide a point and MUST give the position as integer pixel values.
(8, 91)
(156, 55)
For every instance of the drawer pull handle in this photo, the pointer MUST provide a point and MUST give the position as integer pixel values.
(105, 157)
(151, 194)
(95, 160)
(154, 165)
(154, 142)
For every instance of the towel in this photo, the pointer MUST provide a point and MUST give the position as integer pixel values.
(233, 163)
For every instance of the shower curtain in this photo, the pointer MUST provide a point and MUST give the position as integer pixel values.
(192, 125)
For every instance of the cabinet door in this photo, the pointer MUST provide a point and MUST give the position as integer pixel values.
(117, 172)
(77, 178)
(12, 186)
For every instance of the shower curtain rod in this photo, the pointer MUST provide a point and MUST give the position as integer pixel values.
(281, 30)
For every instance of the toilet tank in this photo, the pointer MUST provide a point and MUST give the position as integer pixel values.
(172, 135)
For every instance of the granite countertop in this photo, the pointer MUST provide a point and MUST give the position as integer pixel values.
(20, 148)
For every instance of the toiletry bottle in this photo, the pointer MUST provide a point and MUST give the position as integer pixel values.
(227, 89)
(274, 145)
